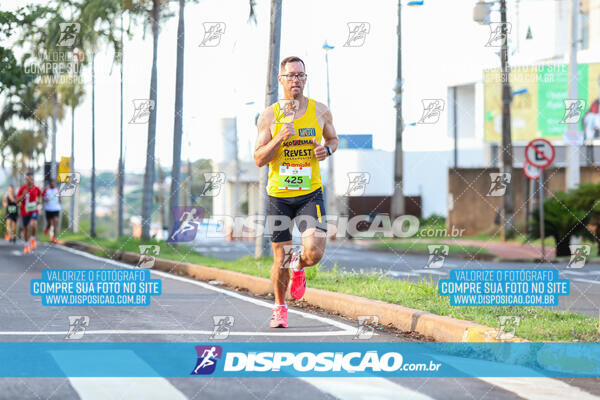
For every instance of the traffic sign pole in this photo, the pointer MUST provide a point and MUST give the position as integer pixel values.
(540, 154)
(542, 230)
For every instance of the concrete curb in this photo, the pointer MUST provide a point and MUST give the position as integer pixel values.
(440, 328)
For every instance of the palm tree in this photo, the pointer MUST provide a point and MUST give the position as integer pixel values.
(270, 98)
(151, 142)
(178, 128)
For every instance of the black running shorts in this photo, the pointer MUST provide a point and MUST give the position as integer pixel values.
(307, 211)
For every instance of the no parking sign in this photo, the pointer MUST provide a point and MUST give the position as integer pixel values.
(539, 154)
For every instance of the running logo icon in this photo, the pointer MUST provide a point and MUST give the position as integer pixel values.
(148, 254)
(68, 34)
(77, 326)
(574, 109)
(500, 182)
(213, 182)
(432, 109)
(223, 325)
(69, 182)
(508, 327)
(207, 359)
(187, 221)
(291, 255)
(579, 255)
(141, 111)
(366, 326)
(357, 33)
(287, 111)
(357, 183)
(498, 34)
(437, 255)
(212, 34)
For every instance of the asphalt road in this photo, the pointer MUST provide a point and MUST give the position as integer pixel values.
(183, 312)
(584, 297)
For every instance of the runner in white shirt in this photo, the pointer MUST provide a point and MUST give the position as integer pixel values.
(52, 207)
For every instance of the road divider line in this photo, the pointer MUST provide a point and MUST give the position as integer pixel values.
(261, 303)
(177, 332)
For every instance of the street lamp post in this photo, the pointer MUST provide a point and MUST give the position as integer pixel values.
(331, 203)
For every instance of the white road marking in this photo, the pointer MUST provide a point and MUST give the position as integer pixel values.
(262, 303)
(540, 388)
(16, 253)
(117, 388)
(364, 389)
(530, 388)
(576, 273)
(430, 271)
(125, 388)
(179, 332)
(402, 273)
(585, 281)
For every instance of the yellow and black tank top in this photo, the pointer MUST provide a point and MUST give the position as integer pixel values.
(294, 171)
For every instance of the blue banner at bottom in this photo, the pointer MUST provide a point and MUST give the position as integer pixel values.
(299, 359)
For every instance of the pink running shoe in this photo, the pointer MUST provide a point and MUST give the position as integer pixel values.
(298, 286)
(279, 318)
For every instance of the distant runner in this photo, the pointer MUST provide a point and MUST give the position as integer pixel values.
(293, 150)
(10, 203)
(52, 207)
(29, 197)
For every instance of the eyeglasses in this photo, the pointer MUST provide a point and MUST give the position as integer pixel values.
(292, 77)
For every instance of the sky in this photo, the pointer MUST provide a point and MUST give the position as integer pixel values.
(440, 45)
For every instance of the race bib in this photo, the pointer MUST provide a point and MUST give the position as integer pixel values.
(294, 178)
(30, 206)
(12, 209)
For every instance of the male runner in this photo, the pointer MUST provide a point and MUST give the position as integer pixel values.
(293, 152)
(52, 207)
(10, 203)
(29, 196)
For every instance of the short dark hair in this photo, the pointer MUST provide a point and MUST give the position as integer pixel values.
(29, 173)
(290, 59)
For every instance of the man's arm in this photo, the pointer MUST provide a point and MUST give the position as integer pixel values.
(267, 145)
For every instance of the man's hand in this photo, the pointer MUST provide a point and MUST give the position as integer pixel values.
(319, 151)
(286, 132)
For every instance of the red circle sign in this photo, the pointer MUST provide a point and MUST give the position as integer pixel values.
(539, 153)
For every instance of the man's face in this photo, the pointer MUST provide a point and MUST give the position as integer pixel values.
(29, 180)
(294, 87)
(52, 183)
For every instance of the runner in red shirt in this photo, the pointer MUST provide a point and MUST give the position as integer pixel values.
(29, 197)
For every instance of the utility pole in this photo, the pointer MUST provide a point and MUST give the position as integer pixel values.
(93, 183)
(121, 173)
(398, 196)
(260, 247)
(573, 138)
(508, 203)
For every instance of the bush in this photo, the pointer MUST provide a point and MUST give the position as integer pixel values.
(562, 220)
